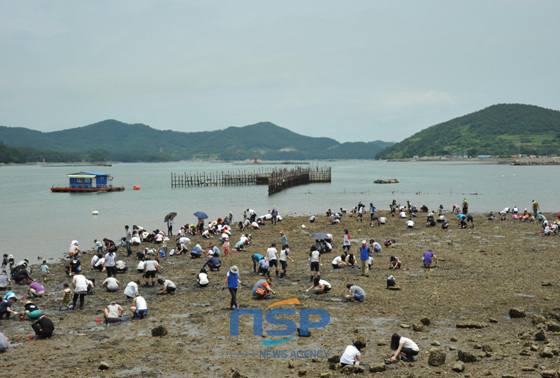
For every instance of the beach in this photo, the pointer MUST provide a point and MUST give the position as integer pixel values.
(462, 307)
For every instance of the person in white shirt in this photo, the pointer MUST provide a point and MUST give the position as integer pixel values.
(113, 312)
(139, 307)
(404, 348)
(272, 258)
(111, 283)
(352, 355)
(410, 223)
(321, 285)
(202, 278)
(167, 287)
(339, 262)
(131, 289)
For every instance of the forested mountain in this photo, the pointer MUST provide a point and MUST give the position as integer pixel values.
(503, 130)
(116, 141)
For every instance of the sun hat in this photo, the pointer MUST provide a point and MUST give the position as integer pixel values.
(364, 242)
(234, 269)
(282, 232)
(113, 302)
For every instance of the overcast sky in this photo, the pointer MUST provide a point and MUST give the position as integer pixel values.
(350, 70)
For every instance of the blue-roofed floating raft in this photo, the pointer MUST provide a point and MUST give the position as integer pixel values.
(87, 182)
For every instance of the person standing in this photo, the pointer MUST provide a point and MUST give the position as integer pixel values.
(232, 281)
(346, 242)
(80, 285)
(272, 258)
(284, 256)
(315, 262)
(364, 257)
(170, 226)
(151, 267)
(284, 238)
(128, 238)
(536, 208)
(274, 214)
(110, 265)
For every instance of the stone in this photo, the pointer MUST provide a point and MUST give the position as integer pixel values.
(487, 348)
(546, 283)
(325, 375)
(470, 324)
(403, 325)
(159, 331)
(301, 373)
(291, 364)
(377, 368)
(517, 313)
(466, 356)
(538, 319)
(333, 366)
(352, 369)
(437, 357)
(436, 343)
(546, 352)
(425, 321)
(493, 320)
(458, 366)
(453, 340)
(552, 326)
(335, 358)
(549, 374)
(103, 366)
(418, 327)
(540, 336)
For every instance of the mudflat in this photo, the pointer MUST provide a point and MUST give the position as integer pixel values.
(489, 307)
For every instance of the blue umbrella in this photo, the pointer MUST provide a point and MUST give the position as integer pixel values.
(320, 235)
(201, 214)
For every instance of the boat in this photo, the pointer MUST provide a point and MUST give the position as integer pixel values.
(390, 181)
(88, 182)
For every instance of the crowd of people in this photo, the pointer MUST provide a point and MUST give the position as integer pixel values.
(152, 250)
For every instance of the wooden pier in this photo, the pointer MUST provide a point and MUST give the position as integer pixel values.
(276, 179)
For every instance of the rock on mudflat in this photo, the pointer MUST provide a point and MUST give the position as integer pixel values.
(437, 357)
(103, 366)
(466, 356)
(159, 331)
(458, 366)
(352, 369)
(550, 374)
(470, 324)
(377, 368)
(516, 313)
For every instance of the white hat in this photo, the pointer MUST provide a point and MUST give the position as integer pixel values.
(364, 242)
(234, 269)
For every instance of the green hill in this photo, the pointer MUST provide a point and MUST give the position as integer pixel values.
(118, 141)
(499, 130)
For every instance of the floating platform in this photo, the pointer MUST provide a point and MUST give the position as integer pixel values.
(390, 181)
(66, 189)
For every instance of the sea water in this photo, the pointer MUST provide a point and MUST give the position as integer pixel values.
(36, 222)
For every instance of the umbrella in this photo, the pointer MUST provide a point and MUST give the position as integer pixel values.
(320, 235)
(169, 216)
(201, 214)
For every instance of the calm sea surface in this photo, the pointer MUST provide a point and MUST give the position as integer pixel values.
(36, 222)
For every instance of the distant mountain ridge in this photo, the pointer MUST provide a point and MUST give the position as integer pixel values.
(499, 130)
(118, 141)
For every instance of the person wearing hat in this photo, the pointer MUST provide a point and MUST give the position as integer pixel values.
(139, 307)
(364, 257)
(232, 281)
(284, 238)
(32, 310)
(113, 313)
(74, 250)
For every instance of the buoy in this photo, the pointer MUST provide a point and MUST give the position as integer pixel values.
(95, 212)
(136, 187)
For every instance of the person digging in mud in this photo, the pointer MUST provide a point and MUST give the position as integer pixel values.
(139, 307)
(321, 285)
(262, 289)
(339, 262)
(352, 354)
(394, 263)
(356, 293)
(167, 287)
(429, 258)
(113, 313)
(405, 349)
(151, 267)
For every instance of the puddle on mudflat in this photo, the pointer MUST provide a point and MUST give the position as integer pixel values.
(525, 295)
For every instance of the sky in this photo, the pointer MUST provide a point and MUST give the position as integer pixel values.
(360, 70)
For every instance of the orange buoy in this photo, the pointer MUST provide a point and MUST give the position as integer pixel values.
(136, 187)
